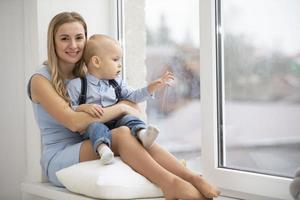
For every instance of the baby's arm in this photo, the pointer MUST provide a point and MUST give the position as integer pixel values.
(163, 81)
(143, 94)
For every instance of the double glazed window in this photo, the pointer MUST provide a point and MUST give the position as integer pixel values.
(260, 64)
(244, 135)
(173, 45)
(250, 69)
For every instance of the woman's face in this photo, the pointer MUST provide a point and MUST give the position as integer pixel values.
(69, 43)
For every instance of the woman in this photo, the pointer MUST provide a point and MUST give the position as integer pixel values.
(61, 126)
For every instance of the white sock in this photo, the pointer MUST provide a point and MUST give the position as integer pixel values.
(105, 153)
(147, 136)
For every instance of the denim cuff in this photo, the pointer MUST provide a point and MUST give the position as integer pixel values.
(101, 141)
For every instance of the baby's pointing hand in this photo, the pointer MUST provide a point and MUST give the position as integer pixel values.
(167, 79)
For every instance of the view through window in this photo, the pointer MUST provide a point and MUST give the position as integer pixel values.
(262, 86)
(172, 28)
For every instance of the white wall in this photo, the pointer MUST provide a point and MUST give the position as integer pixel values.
(12, 123)
(135, 40)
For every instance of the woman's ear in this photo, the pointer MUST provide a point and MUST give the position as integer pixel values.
(96, 61)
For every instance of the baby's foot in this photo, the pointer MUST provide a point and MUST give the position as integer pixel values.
(107, 158)
(106, 155)
(205, 188)
(147, 136)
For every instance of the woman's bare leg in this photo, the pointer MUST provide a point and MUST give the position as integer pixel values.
(132, 153)
(86, 152)
(169, 162)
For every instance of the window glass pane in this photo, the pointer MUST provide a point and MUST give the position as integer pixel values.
(173, 44)
(262, 85)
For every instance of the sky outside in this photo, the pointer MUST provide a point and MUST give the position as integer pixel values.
(181, 15)
(266, 23)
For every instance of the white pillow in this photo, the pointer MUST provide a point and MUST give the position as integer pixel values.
(115, 181)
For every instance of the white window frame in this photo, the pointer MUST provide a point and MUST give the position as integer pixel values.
(234, 183)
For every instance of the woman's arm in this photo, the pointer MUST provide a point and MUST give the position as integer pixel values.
(42, 92)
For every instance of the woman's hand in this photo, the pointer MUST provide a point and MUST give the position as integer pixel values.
(94, 110)
(131, 104)
(131, 108)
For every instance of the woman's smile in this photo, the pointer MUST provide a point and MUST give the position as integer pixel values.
(73, 54)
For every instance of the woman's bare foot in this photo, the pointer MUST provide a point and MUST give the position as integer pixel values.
(204, 187)
(180, 189)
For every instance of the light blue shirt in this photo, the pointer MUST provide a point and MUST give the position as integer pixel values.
(100, 92)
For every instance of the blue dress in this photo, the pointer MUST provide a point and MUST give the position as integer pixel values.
(60, 146)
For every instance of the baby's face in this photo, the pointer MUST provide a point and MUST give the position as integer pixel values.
(111, 61)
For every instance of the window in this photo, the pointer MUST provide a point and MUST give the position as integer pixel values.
(221, 159)
(167, 42)
(250, 136)
(173, 44)
(261, 86)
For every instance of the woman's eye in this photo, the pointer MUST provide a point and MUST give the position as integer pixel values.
(64, 39)
(79, 37)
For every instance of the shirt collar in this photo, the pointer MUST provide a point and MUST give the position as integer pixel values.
(94, 80)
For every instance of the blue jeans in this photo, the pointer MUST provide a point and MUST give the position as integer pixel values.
(132, 122)
(98, 133)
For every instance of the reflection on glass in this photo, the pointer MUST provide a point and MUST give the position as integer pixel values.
(262, 85)
(173, 44)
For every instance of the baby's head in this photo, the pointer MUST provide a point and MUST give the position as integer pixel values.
(103, 56)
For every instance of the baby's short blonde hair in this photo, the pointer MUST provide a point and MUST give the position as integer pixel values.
(97, 45)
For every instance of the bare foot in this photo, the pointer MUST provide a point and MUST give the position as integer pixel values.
(204, 187)
(181, 189)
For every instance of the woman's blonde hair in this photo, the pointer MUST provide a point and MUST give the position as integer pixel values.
(57, 79)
